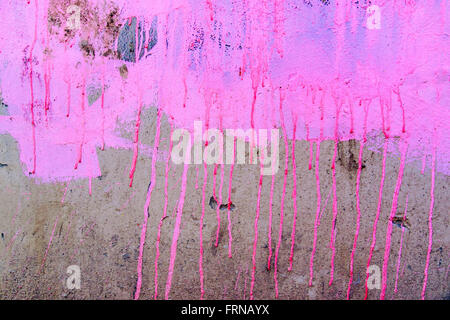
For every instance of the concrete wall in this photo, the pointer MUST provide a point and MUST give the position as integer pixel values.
(101, 232)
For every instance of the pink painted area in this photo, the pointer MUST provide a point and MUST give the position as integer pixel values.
(314, 54)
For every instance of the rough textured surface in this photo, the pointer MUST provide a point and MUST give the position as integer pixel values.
(100, 233)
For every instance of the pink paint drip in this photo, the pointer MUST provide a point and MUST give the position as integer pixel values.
(218, 204)
(136, 143)
(317, 220)
(269, 229)
(176, 231)
(400, 247)
(333, 173)
(166, 201)
(147, 206)
(310, 154)
(200, 259)
(294, 197)
(430, 224)
(387, 247)
(255, 241)
(33, 123)
(424, 161)
(230, 236)
(377, 217)
(286, 164)
(358, 209)
(358, 218)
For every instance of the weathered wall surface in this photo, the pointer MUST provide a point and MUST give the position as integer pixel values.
(101, 232)
(89, 108)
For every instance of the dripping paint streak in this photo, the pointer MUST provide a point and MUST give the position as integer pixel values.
(136, 142)
(358, 218)
(317, 220)
(200, 260)
(424, 161)
(230, 237)
(83, 131)
(333, 173)
(294, 196)
(387, 247)
(255, 242)
(286, 164)
(33, 123)
(103, 106)
(377, 217)
(176, 231)
(147, 206)
(401, 246)
(166, 201)
(218, 205)
(269, 229)
(430, 224)
(358, 209)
